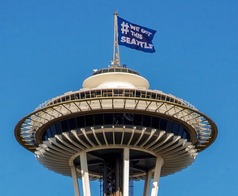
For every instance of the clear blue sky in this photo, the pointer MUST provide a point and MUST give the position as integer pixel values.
(48, 47)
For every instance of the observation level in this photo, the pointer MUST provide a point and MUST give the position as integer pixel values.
(116, 129)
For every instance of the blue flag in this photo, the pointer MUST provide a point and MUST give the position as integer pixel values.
(135, 36)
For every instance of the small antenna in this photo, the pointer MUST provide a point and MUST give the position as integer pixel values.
(116, 53)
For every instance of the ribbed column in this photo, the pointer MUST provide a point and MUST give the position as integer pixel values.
(84, 173)
(155, 185)
(126, 170)
(75, 181)
(147, 183)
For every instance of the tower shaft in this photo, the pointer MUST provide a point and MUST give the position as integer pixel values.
(116, 175)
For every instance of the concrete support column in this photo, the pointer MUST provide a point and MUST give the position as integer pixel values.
(126, 170)
(75, 181)
(84, 173)
(155, 185)
(147, 183)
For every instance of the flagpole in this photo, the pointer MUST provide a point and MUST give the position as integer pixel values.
(116, 53)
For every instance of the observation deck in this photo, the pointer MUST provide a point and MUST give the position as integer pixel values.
(116, 110)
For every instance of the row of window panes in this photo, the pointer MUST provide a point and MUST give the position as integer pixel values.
(115, 92)
(115, 69)
(116, 119)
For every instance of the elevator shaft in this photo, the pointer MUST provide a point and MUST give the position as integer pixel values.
(112, 175)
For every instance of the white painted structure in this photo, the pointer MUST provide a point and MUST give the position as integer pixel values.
(116, 129)
(117, 123)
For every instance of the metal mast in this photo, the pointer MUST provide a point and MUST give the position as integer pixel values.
(116, 52)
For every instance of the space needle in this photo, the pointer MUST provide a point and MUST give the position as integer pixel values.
(116, 130)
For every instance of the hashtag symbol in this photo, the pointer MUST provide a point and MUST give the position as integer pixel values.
(124, 28)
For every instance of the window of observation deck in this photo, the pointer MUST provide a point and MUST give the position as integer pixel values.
(115, 69)
(148, 94)
(116, 119)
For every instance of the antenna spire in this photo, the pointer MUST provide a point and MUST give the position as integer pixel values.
(116, 53)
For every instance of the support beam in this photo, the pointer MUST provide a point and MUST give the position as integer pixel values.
(84, 173)
(126, 169)
(75, 181)
(147, 183)
(117, 176)
(105, 180)
(155, 185)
